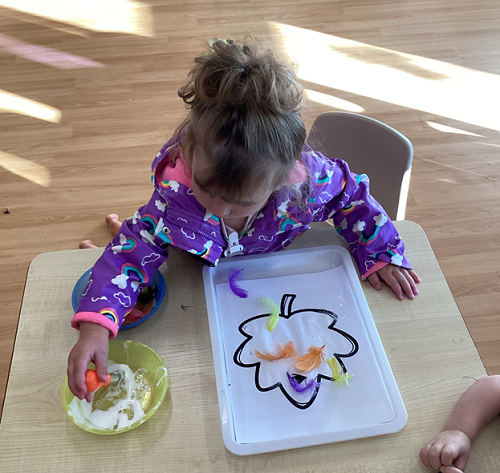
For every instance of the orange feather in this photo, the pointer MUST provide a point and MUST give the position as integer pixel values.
(311, 360)
(286, 351)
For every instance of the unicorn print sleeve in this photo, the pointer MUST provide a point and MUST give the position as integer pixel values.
(126, 266)
(338, 194)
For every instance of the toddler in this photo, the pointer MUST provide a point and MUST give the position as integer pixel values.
(237, 178)
(478, 406)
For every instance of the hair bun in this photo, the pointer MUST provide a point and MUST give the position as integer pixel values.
(244, 73)
(233, 75)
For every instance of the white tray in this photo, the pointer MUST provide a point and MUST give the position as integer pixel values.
(260, 412)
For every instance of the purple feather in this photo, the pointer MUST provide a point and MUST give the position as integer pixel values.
(304, 386)
(234, 277)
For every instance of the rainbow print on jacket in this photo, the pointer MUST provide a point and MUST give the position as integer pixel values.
(150, 222)
(211, 218)
(132, 272)
(173, 185)
(359, 228)
(206, 250)
(284, 218)
(322, 180)
(110, 313)
(126, 245)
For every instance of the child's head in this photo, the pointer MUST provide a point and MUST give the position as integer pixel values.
(244, 133)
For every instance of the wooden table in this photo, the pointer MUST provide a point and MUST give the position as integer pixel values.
(431, 353)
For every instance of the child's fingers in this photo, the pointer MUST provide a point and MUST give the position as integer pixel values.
(450, 469)
(71, 382)
(414, 276)
(404, 284)
(399, 280)
(101, 365)
(411, 281)
(461, 462)
(375, 281)
(76, 376)
(434, 455)
(449, 453)
(424, 454)
(394, 284)
(79, 376)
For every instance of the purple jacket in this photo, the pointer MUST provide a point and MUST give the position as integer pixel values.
(174, 217)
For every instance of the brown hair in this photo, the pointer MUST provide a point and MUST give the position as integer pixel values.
(244, 115)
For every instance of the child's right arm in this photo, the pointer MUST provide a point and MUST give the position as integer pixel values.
(477, 407)
(126, 266)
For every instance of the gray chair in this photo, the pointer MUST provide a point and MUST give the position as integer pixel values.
(370, 147)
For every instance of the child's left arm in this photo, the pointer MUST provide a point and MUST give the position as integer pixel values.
(372, 238)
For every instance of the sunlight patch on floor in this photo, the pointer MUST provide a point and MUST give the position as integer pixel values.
(12, 103)
(332, 101)
(26, 169)
(406, 80)
(450, 129)
(117, 16)
(44, 55)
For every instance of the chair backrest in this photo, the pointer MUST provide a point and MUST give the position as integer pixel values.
(369, 147)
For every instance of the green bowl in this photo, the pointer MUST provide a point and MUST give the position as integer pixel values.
(136, 355)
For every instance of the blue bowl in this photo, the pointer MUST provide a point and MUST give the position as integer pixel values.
(157, 280)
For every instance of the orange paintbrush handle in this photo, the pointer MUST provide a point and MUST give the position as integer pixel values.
(92, 382)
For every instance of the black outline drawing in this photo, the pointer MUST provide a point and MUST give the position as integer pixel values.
(286, 304)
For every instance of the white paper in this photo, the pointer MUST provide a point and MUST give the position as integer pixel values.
(265, 416)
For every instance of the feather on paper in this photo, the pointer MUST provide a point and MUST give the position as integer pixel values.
(338, 374)
(311, 360)
(274, 312)
(282, 352)
(304, 386)
(234, 277)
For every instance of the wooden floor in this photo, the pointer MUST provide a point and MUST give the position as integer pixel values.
(88, 98)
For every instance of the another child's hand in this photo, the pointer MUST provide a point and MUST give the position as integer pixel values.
(449, 451)
(400, 280)
(91, 347)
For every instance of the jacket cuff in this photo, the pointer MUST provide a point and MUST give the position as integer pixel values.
(378, 265)
(95, 318)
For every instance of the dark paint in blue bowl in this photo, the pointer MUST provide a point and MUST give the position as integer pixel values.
(157, 280)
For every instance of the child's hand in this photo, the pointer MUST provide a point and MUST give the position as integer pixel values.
(91, 347)
(398, 279)
(448, 451)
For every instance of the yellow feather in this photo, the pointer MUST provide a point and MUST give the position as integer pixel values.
(335, 367)
(274, 312)
(338, 374)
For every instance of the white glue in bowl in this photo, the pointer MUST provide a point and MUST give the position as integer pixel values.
(117, 409)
